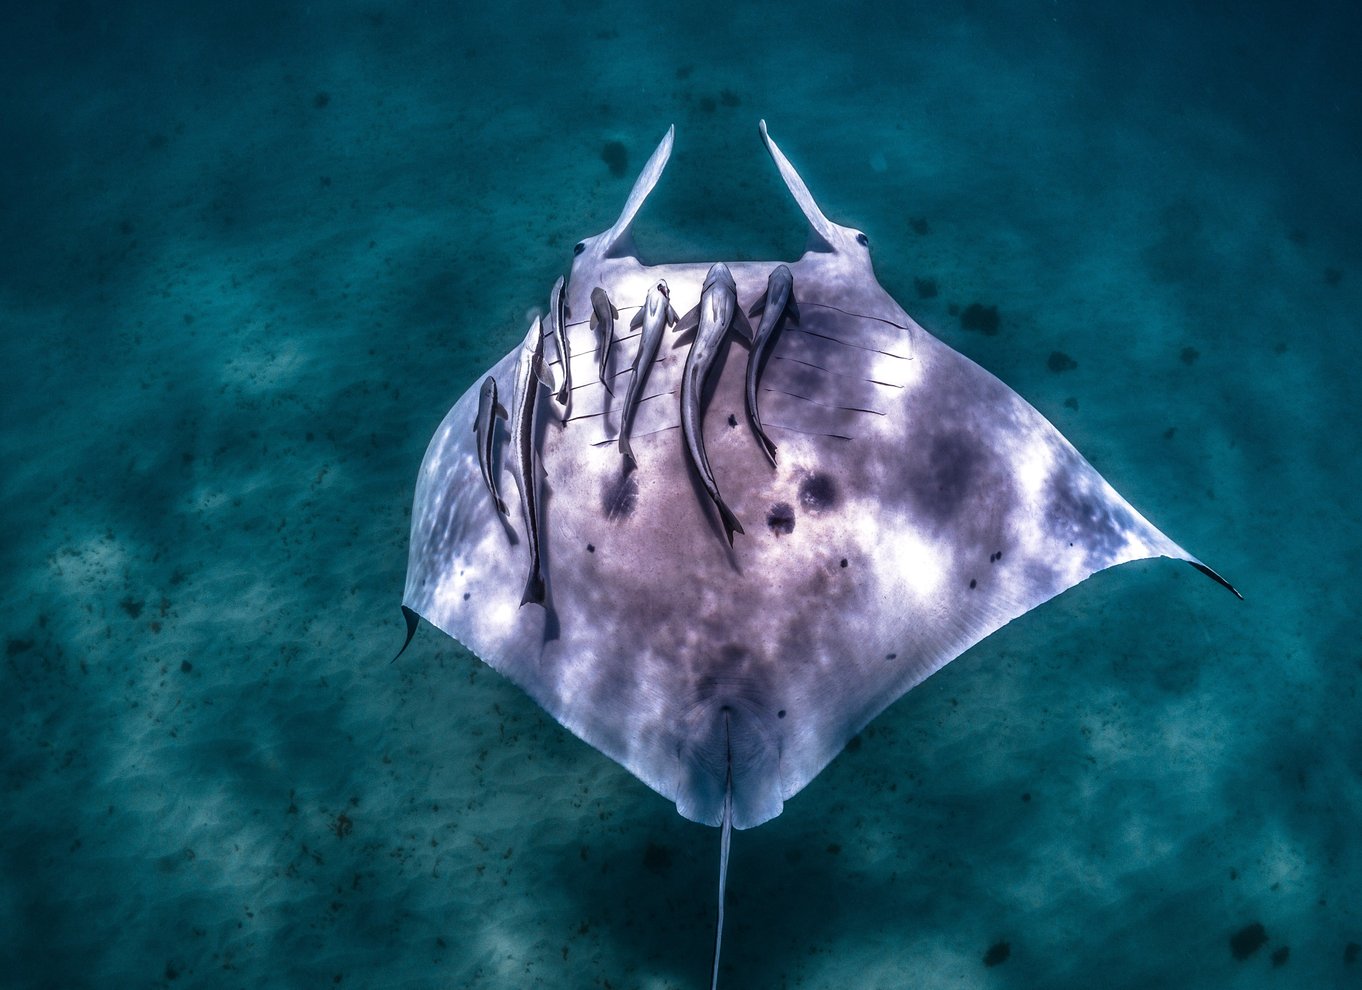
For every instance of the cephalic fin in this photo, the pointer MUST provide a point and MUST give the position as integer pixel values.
(759, 305)
(637, 321)
(499, 410)
(617, 237)
(819, 225)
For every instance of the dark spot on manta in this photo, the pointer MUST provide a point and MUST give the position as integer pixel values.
(891, 656)
(853, 744)
(781, 519)
(1059, 362)
(616, 157)
(844, 562)
(657, 858)
(1026, 798)
(1351, 951)
(1071, 403)
(1279, 956)
(1189, 355)
(579, 247)
(321, 100)
(619, 498)
(926, 287)
(185, 666)
(732, 420)
(781, 713)
(466, 596)
(953, 466)
(1248, 940)
(818, 492)
(16, 646)
(980, 319)
(834, 848)
(591, 548)
(973, 583)
(131, 606)
(920, 225)
(997, 954)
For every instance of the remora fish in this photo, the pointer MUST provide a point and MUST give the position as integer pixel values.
(776, 302)
(558, 326)
(655, 316)
(488, 406)
(603, 316)
(528, 373)
(717, 311)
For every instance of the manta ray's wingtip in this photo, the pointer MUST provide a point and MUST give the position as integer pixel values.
(1210, 573)
(413, 620)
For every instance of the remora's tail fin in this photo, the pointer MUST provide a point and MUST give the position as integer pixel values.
(725, 841)
(730, 521)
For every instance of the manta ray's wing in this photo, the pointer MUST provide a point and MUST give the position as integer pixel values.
(919, 504)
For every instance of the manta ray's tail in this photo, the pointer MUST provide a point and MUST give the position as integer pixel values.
(725, 840)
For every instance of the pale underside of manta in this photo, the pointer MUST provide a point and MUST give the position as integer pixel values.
(917, 504)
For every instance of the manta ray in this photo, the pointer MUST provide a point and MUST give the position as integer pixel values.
(805, 518)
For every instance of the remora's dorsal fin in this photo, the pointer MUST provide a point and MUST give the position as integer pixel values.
(643, 185)
(822, 229)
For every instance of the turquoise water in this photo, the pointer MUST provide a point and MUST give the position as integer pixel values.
(248, 258)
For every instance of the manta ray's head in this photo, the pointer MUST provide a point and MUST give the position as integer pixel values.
(849, 245)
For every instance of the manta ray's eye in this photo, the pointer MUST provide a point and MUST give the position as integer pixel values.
(579, 247)
(862, 240)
